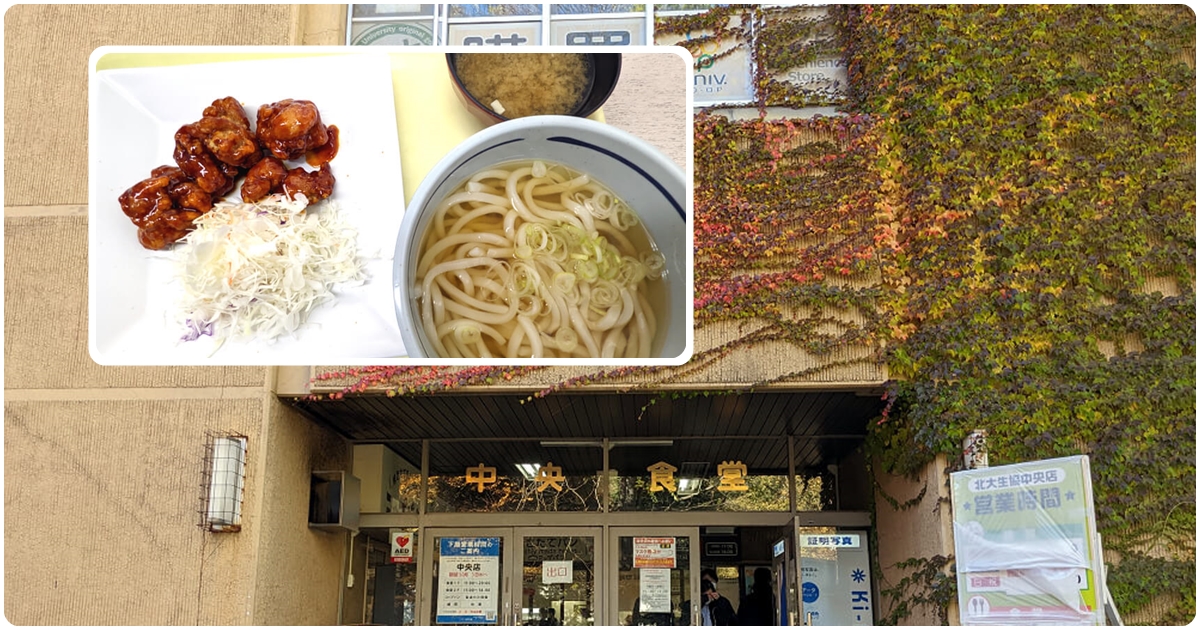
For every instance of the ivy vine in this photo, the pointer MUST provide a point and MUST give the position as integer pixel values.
(1045, 154)
(1009, 205)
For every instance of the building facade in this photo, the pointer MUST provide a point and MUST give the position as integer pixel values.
(596, 505)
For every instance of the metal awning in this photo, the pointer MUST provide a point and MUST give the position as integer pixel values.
(510, 427)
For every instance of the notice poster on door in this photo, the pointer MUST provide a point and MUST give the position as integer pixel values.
(653, 553)
(468, 581)
(557, 572)
(654, 592)
(404, 543)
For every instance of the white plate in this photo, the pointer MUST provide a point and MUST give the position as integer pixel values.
(132, 291)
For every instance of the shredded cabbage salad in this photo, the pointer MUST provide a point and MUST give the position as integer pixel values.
(256, 271)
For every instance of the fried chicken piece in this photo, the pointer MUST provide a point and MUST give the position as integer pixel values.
(164, 205)
(146, 197)
(198, 163)
(214, 149)
(230, 142)
(325, 153)
(289, 127)
(164, 228)
(315, 185)
(230, 108)
(263, 178)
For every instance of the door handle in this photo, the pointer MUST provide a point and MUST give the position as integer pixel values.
(808, 618)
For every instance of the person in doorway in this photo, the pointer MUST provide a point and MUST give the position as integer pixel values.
(710, 574)
(717, 611)
(758, 608)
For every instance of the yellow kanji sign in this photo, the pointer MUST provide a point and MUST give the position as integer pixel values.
(662, 476)
(733, 477)
(550, 475)
(481, 476)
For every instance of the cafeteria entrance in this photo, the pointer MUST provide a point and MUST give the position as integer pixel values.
(602, 508)
(618, 575)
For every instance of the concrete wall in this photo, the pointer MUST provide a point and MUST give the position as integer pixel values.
(298, 570)
(922, 530)
(103, 466)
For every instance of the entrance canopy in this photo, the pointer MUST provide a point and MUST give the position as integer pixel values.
(511, 427)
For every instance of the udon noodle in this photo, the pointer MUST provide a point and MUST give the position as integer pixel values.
(532, 260)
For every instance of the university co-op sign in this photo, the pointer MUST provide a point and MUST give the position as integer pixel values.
(722, 69)
(396, 34)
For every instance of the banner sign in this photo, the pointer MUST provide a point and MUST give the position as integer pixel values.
(653, 553)
(1026, 545)
(468, 581)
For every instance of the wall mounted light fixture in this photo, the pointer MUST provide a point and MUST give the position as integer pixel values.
(224, 482)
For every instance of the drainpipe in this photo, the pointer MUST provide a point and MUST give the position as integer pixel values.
(348, 553)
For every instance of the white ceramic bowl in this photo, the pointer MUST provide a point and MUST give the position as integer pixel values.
(637, 172)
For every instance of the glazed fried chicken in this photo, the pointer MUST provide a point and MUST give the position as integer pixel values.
(214, 149)
(272, 176)
(315, 185)
(230, 108)
(163, 206)
(263, 179)
(289, 128)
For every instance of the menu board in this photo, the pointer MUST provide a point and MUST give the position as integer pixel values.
(468, 581)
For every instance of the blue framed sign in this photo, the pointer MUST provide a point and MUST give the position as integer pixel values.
(468, 580)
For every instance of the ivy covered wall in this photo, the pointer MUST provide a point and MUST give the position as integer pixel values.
(1042, 279)
(1005, 214)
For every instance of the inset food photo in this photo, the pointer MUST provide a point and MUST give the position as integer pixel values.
(308, 206)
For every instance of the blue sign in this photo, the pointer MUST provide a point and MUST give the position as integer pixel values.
(468, 581)
(470, 547)
(809, 592)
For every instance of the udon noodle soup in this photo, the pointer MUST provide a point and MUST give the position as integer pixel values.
(533, 260)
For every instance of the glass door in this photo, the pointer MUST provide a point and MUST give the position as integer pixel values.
(467, 584)
(654, 580)
(835, 576)
(558, 572)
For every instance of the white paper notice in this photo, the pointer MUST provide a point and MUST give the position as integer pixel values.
(557, 572)
(655, 590)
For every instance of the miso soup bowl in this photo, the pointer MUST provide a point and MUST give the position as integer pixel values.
(636, 172)
(604, 69)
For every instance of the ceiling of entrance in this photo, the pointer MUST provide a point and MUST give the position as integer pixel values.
(499, 427)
